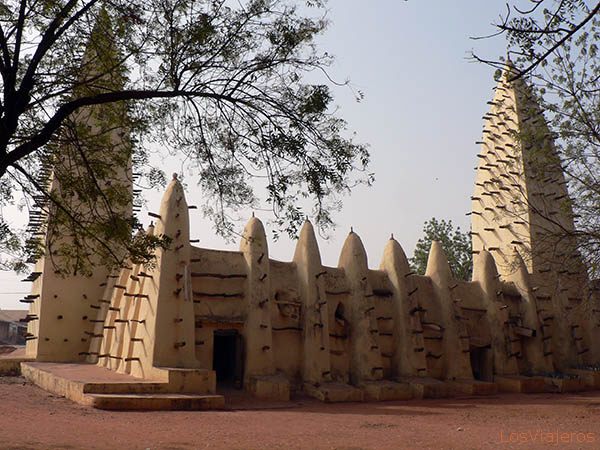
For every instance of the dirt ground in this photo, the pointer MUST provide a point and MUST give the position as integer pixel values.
(31, 418)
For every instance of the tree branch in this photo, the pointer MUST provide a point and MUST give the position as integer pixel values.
(556, 45)
(59, 205)
(65, 110)
(49, 38)
(19, 36)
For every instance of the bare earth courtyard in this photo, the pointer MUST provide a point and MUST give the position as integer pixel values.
(31, 418)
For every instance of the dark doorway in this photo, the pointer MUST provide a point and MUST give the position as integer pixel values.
(227, 357)
(481, 363)
(339, 311)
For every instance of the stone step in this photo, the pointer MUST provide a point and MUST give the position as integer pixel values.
(99, 387)
(520, 384)
(472, 387)
(143, 387)
(334, 392)
(74, 381)
(384, 390)
(189, 381)
(155, 402)
(591, 378)
(11, 366)
(269, 387)
(564, 384)
(425, 387)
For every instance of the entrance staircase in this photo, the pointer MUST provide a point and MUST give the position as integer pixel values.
(101, 388)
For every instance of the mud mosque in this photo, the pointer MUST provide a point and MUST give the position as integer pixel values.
(179, 334)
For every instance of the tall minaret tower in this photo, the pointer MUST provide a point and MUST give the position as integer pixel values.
(520, 200)
(90, 164)
(520, 203)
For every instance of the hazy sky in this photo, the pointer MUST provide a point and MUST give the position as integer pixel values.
(421, 117)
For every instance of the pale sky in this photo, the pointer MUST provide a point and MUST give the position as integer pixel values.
(421, 116)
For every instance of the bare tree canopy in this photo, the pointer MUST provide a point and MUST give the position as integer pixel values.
(221, 82)
(553, 45)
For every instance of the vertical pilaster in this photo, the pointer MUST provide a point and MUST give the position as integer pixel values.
(456, 340)
(408, 334)
(365, 362)
(174, 327)
(257, 328)
(316, 365)
(537, 349)
(505, 345)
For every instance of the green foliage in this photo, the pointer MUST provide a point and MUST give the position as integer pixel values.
(90, 87)
(456, 245)
(10, 246)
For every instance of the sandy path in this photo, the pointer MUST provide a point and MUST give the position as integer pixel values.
(33, 419)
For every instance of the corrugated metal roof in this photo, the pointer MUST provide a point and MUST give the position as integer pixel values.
(12, 315)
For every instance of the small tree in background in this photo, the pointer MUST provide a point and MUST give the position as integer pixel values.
(455, 243)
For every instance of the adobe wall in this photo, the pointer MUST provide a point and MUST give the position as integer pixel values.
(347, 332)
